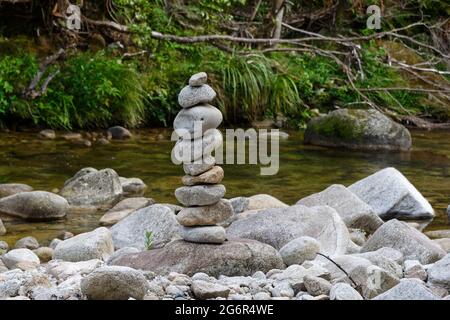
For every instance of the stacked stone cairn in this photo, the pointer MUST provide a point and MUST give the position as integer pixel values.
(196, 125)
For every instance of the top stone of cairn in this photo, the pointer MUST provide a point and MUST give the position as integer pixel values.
(198, 79)
(197, 92)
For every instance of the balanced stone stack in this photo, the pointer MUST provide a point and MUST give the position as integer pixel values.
(196, 125)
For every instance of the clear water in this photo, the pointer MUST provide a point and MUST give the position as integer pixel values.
(45, 165)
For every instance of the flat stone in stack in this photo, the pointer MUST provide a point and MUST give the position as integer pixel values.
(202, 192)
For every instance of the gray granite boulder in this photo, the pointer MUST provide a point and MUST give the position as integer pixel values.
(98, 188)
(238, 257)
(391, 195)
(8, 189)
(439, 273)
(158, 219)
(408, 289)
(357, 129)
(412, 243)
(114, 283)
(96, 244)
(35, 205)
(277, 227)
(355, 212)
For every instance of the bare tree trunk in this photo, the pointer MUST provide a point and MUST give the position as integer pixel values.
(277, 15)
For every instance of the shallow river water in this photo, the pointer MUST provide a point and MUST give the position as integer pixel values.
(45, 165)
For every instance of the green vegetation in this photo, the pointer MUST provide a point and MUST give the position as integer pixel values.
(102, 87)
(342, 127)
(148, 240)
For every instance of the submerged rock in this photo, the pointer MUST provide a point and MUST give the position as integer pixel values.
(8, 189)
(47, 134)
(277, 227)
(132, 187)
(119, 133)
(357, 129)
(97, 188)
(35, 205)
(158, 219)
(391, 195)
(234, 257)
(355, 212)
(412, 243)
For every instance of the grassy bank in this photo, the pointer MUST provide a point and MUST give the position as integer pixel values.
(102, 85)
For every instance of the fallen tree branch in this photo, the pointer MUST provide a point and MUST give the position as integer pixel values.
(340, 268)
(31, 92)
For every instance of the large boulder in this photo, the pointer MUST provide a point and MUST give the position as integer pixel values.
(439, 273)
(158, 219)
(412, 243)
(35, 205)
(391, 195)
(8, 189)
(357, 129)
(277, 227)
(355, 212)
(97, 188)
(96, 244)
(408, 289)
(238, 257)
(264, 201)
(123, 209)
(114, 283)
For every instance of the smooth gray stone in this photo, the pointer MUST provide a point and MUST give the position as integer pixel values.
(35, 205)
(201, 195)
(198, 79)
(200, 166)
(205, 215)
(188, 151)
(8, 189)
(208, 234)
(197, 120)
(412, 243)
(191, 96)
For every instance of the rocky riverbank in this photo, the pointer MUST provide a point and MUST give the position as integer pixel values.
(337, 244)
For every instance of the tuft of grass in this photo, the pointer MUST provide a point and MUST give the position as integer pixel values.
(148, 240)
